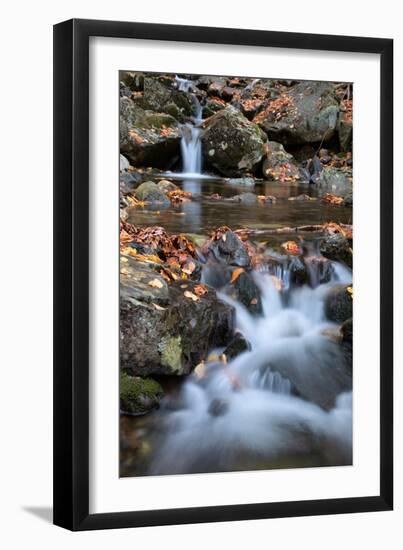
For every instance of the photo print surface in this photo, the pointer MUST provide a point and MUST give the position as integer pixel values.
(236, 297)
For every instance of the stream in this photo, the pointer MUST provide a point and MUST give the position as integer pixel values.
(248, 413)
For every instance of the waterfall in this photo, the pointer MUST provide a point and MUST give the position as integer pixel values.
(191, 146)
(279, 406)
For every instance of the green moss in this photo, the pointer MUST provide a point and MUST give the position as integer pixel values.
(138, 395)
(170, 349)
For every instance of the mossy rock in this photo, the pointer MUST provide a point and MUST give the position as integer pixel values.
(138, 395)
(232, 144)
(150, 192)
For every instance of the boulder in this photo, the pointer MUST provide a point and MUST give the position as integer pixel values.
(337, 247)
(151, 192)
(245, 291)
(168, 330)
(339, 304)
(334, 180)
(280, 165)
(148, 138)
(137, 395)
(306, 113)
(237, 346)
(229, 249)
(347, 331)
(232, 144)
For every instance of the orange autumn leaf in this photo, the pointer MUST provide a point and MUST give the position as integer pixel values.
(200, 290)
(332, 199)
(291, 247)
(236, 273)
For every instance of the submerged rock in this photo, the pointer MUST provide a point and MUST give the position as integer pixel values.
(339, 304)
(306, 113)
(138, 395)
(232, 144)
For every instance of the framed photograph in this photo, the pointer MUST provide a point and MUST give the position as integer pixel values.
(223, 321)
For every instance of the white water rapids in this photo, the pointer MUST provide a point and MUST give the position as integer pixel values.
(263, 421)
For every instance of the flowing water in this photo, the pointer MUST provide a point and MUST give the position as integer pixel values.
(284, 403)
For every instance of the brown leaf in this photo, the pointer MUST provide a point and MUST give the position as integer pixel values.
(200, 289)
(191, 296)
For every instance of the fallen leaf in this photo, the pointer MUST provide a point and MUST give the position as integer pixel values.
(191, 296)
(200, 370)
(155, 283)
(291, 247)
(236, 273)
(253, 301)
(200, 289)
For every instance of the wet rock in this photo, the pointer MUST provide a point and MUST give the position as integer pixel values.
(162, 331)
(245, 198)
(238, 345)
(148, 138)
(230, 250)
(128, 181)
(280, 165)
(123, 163)
(347, 331)
(246, 181)
(151, 193)
(306, 113)
(337, 247)
(320, 270)
(139, 282)
(166, 186)
(245, 290)
(232, 144)
(338, 304)
(298, 270)
(335, 181)
(137, 395)
(218, 407)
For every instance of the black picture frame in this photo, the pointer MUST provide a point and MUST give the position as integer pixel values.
(71, 274)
